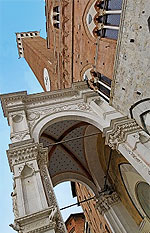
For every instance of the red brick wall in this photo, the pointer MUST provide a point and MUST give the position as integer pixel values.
(96, 221)
(74, 47)
(39, 57)
(76, 223)
(71, 48)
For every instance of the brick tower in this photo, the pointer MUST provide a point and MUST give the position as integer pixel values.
(41, 60)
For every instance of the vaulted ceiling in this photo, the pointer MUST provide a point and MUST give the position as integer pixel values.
(68, 157)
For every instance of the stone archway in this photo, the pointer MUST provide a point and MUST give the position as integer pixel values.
(29, 116)
(69, 155)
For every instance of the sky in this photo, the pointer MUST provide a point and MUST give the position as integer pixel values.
(15, 75)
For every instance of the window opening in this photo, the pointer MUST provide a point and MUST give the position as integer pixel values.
(99, 83)
(56, 17)
(107, 19)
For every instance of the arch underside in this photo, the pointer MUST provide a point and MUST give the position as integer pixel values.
(73, 159)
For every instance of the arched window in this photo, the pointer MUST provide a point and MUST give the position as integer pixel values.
(98, 82)
(107, 19)
(56, 17)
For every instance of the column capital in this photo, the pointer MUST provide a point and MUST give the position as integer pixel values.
(25, 153)
(100, 26)
(106, 201)
(102, 12)
(118, 131)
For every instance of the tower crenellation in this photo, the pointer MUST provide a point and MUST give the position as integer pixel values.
(20, 36)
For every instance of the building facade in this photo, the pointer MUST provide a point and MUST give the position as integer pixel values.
(75, 223)
(84, 131)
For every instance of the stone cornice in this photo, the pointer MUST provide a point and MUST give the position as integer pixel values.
(10, 98)
(50, 95)
(16, 101)
(36, 222)
(70, 92)
(35, 216)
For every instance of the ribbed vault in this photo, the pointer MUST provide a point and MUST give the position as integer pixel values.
(68, 160)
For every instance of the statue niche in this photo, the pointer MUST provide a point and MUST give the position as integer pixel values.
(32, 201)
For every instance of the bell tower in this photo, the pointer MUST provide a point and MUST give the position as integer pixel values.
(41, 60)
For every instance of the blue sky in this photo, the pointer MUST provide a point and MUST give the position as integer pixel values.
(15, 75)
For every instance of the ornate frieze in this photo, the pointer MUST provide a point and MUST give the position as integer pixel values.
(106, 201)
(14, 201)
(19, 136)
(36, 115)
(118, 131)
(11, 103)
(65, 107)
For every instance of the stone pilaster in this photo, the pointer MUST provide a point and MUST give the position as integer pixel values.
(34, 203)
(14, 108)
(49, 191)
(115, 213)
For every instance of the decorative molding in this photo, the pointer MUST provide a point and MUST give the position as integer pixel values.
(106, 201)
(48, 186)
(14, 201)
(25, 153)
(35, 216)
(19, 136)
(37, 222)
(42, 97)
(17, 118)
(43, 229)
(52, 199)
(67, 107)
(43, 112)
(33, 116)
(118, 131)
(11, 99)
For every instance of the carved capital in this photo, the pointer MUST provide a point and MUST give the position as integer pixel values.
(105, 202)
(118, 131)
(102, 12)
(25, 153)
(100, 26)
